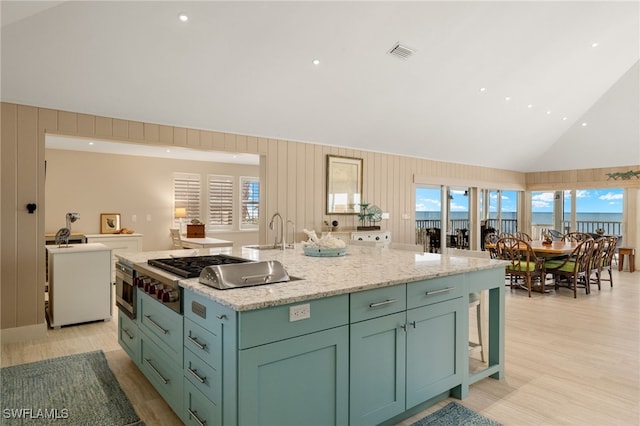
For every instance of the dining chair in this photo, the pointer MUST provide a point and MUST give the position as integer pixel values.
(555, 235)
(491, 238)
(574, 270)
(607, 258)
(522, 235)
(434, 240)
(576, 237)
(175, 238)
(597, 258)
(524, 262)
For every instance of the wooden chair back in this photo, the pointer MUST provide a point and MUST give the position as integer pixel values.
(175, 238)
(524, 262)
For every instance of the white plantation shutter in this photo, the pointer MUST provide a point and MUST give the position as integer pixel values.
(249, 200)
(186, 194)
(220, 195)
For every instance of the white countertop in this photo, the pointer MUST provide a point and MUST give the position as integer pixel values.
(361, 269)
(77, 248)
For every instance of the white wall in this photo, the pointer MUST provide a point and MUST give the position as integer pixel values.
(90, 184)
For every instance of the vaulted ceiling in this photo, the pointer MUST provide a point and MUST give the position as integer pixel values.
(528, 86)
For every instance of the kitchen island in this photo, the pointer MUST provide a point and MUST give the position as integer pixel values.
(366, 338)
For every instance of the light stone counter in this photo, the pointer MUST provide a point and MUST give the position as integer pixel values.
(363, 268)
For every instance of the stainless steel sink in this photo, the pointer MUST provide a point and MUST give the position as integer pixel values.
(264, 247)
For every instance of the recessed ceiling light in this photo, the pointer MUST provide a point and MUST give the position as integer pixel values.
(168, 150)
(316, 62)
(548, 112)
(507, 98)
(483, 89)
(183, 17)
(594, 44)
(584, 124)
(90, 143)
(565, 118)
(530, 106)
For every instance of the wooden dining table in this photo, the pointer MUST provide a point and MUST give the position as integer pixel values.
(556, 248)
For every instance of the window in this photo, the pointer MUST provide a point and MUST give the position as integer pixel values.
(249, 200)
(186, 194)
(220, 201)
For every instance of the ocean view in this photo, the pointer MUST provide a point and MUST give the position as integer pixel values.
(539, 218)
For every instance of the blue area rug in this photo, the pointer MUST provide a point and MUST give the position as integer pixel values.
(455, 415)
(72, 390)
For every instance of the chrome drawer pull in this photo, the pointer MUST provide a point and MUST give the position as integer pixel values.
(193, 414)
(194, 340)
(195, 374)
(124, 330)
(158, 326)
(442, 290)
(165, 381)
(386, 302)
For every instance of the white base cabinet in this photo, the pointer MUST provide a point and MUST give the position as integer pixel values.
(79, 284)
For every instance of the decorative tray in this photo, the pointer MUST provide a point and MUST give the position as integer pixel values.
(324, 252)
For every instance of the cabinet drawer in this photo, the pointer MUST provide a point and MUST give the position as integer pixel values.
(129, 336)
(421, 293)
(162, 323)
(164, 373)
(205, 312)
(203, 343)
(273, 324)
(204, 377)
(198, 409)
(376, 303)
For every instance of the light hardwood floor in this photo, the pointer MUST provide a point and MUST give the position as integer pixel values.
(568, 361)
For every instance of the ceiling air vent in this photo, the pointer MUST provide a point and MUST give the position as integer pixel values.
(400, 51)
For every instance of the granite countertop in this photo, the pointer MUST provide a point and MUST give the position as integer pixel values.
(363, 268)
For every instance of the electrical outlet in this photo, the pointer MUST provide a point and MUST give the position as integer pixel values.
(148, 217)
(134, 218)
(299, 312)
(385, 215)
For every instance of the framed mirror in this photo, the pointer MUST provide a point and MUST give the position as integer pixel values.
(344, 185)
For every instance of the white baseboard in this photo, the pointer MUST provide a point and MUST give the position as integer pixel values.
(19, 334)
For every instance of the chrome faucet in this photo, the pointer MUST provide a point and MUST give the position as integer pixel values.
(278, 242)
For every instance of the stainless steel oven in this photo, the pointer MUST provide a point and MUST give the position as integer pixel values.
(125, 289)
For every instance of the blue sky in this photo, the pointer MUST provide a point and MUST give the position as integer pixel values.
(587, 201)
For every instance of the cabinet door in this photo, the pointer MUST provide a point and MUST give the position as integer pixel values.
(432, 361)
(377, 369)
(299, 381)
(129, 336)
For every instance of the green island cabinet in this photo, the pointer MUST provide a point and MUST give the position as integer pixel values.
(258, 367)
(161, 349)
(404, 348)
(364, 358)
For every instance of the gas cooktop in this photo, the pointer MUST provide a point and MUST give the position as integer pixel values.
(190, 267)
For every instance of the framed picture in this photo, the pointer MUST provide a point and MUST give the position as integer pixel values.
(109, 223)
(344, 185)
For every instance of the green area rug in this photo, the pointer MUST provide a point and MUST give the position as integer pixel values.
(455, 414)
(72, 390)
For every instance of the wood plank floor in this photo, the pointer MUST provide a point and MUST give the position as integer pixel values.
(568, 361)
